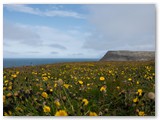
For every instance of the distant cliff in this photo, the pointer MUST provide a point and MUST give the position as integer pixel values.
(129, 56)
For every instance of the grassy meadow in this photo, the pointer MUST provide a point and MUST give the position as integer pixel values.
(80, 89)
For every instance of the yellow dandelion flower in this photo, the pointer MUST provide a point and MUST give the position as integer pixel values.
(44, 74)
(9, 112)
(139, 92)
(141, 113)
(6, 81)
(103, 89)
(4, 77)
(110, 71)
(17, 72)
(92, 114)
(10, 87)
(135, 100)
(66, 85)
(61, 113)
(41, 89)
(101, 78)
(57, 103)
(46, 109)
(80, 82)
(14, 75)
(118, 87)
(129, 79)
(6, 114)
(88, 84)
(55, 85)
(51, 90)
(4, 88)
(9, 94)
(85, 101)
(19, 109)
(45, 78)
(45, 95)
(137, 82)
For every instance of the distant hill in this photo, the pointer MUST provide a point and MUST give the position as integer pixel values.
(129, 56)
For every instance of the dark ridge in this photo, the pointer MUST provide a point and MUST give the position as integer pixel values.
(129, 56)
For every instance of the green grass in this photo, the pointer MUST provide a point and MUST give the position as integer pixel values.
(23, 88)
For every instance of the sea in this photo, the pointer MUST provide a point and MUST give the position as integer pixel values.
(17, 62)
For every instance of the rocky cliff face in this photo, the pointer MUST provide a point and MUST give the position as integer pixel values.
(129, 56)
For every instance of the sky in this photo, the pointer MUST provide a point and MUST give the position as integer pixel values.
(76, 30)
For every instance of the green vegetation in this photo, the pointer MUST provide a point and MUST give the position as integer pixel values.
(86, 88)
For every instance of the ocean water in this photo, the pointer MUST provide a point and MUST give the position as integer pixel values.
(16, 62)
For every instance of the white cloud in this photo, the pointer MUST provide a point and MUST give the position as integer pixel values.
(48, 13)
(125, 27)
(55, 43)
(21, 33)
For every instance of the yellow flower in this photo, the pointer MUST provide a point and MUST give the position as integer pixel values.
(8, 114)
(80, 82)
(4, 77)
(51, 90)
(139, 92)
(14, 75)
(45, 95)
(57, 103)
(66, 85)
(61, 113)
(135, 100)
(129, 79)
(6, 81)
(40, 88)
(110, 71)
(92, 114)
(141, 113)
(102, 78)
(137, 82)
(103, 89)
(19, 109)
(85, 101)
(44, 74)
(55, 85)
(4, 88)
(118, 87)
(45, 78)
(46, 109)
(9, 94)
(17, 72)
(10, 87)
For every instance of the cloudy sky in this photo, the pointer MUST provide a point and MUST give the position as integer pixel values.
(76, 31)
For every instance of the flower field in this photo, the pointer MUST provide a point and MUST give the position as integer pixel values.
(80, 89)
